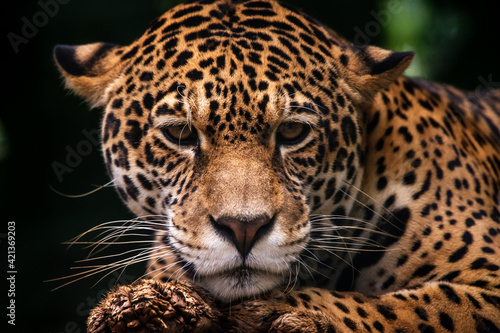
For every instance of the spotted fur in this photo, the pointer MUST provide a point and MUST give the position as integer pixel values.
(268, 144)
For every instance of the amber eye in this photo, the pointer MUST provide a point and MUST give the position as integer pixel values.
(290, 133)
(183, 135)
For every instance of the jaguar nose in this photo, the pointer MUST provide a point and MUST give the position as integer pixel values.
(243, 233)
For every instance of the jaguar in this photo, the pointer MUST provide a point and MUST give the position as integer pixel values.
(296, 182)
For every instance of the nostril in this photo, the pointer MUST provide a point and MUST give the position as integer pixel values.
(243, 233)
(221, 229)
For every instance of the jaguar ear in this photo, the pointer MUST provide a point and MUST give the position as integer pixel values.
(372, 69)
(89, 69)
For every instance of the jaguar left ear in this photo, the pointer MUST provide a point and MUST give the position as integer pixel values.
(371, 69)
(89, 69)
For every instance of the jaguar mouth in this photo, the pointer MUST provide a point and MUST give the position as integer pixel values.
(242, 273)
(240, 282)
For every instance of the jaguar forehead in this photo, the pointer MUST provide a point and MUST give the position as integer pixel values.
(247, 45)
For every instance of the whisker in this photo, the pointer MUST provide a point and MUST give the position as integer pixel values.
(334, 254)
(109, 256)
(116, 233)
(375, 201)
(157, 257)
(162, 269)
(76, 196)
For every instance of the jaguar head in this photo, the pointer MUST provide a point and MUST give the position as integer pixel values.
(231, 123)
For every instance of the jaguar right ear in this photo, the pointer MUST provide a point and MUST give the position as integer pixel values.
(89, 69)
(372, 69)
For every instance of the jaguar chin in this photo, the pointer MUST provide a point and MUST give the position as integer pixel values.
(240, 283)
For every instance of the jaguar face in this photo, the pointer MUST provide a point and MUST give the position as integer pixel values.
(231, 123)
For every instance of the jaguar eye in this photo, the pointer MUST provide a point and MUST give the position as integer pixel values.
(183, 135)
(291, 133)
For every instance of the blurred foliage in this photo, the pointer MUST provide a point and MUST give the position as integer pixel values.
(432, 31)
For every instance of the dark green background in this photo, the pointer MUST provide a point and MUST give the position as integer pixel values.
(455, 42)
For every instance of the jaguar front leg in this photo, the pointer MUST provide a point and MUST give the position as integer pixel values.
(434, 307)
